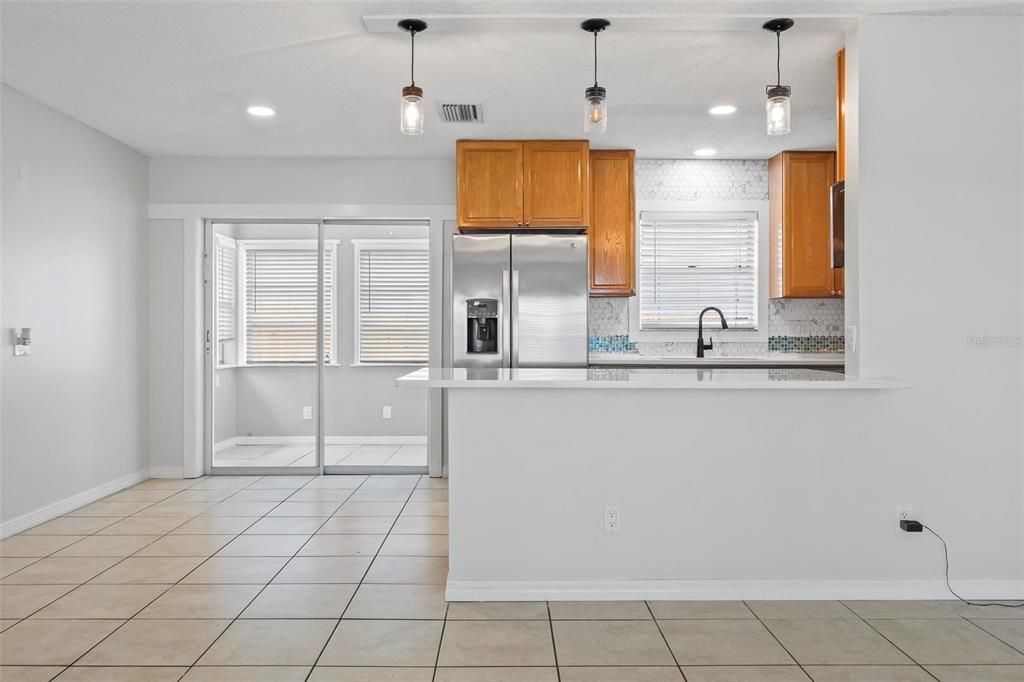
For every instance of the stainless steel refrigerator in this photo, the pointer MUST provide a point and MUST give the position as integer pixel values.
(518, 300)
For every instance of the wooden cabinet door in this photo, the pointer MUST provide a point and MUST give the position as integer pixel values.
(556, 186)
(839, 282)
(489, 184)
(806, 224)
(612, 234)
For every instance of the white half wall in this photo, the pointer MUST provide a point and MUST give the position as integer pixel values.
(74, 264)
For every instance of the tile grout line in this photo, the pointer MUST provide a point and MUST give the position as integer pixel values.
(437, 658)
(647, 604)
(554, 647)
(784, 648)
(367, 571)
(882, 635)
(992, 635)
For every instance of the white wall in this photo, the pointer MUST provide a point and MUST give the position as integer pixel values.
(74, 258)
(301, 181)
(166, 363)
(938, 266)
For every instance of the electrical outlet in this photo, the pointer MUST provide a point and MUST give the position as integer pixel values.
(386, 412)
(904, 512)
(611, 518)
(307, 412)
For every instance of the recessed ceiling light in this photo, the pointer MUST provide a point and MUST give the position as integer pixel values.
(705, 151)
(260, 111)
(722, 110)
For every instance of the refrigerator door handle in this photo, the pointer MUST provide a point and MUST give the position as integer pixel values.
(506, 317)
(514, 314)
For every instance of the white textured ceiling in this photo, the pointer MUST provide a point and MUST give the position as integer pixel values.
(174, 78)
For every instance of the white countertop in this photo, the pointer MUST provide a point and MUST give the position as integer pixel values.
(773, 359)
(641, 378)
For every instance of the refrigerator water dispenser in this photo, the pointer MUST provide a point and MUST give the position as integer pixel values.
(482, 325)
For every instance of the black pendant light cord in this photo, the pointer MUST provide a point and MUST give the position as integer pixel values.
(412, 60)
(595, 59)
(945, 554)
(778, 58)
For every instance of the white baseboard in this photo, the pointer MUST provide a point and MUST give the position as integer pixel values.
(166, 472)
(52, 511)
(225, 444)
(329, 440)
(613, 590)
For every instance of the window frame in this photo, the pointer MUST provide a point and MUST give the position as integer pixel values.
(244, 245)
(230, 241)
(689, 334)
(399, 244)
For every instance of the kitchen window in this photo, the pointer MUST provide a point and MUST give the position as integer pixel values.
(690, 260)
(280, 301)
(392, 298)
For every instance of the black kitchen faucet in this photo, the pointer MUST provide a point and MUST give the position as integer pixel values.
(701, 346)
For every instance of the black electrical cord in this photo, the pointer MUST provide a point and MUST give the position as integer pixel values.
(412, 59)
(778, 58)
(945, 554)
(595, 59)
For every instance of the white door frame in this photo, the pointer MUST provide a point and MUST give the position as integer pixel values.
(193, 217)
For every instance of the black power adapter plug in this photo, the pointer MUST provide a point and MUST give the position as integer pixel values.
(911, 526)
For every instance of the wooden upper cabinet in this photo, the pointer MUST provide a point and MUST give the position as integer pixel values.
(612, 223)
(800, 225)
(557, 183)
(490, 184)
(505, 184)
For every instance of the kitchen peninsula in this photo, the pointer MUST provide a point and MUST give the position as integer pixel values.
(628, 483)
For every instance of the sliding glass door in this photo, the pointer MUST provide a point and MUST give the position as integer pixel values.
(309, 324)
(265, 333)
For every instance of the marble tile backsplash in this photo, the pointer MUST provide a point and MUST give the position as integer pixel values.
(810, 325)
(798, 325)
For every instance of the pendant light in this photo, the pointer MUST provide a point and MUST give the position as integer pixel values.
(595, 97)
(412, 95)
(777, 106)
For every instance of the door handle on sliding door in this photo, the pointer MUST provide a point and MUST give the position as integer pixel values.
(515, 318)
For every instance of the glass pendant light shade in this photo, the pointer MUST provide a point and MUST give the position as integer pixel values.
(777, 110)
(595, 110)
(412, 110)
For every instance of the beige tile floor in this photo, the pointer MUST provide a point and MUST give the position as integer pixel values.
(342, 578)
(335, 455)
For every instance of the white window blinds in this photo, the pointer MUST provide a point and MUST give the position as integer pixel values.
(392, 301)
(280, 303)
(691, 260)
(226, 265)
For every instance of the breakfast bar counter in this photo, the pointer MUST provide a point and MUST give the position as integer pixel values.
(630, 483)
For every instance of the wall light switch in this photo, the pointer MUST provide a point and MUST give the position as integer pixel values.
(22, 341)
(386, 412)
(307, 412)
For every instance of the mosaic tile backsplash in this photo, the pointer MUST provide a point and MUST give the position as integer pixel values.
(809, 325)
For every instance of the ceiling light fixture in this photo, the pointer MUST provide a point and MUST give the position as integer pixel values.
(595, 97)
(777, 106)
(722, 110)
(260, 111)
(705, 151)
(412, 95)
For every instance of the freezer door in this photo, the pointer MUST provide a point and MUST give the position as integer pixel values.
(480, 273)
(549, 301)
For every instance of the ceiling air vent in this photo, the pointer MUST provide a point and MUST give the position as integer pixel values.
(461, 113)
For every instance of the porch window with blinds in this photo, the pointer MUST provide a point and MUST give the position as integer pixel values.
(392, 301)
(691, 260)
(226, 281)
(280, 302)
